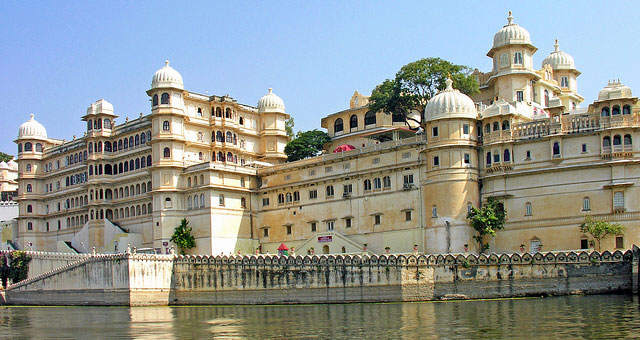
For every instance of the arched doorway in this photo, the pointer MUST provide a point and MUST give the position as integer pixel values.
(325, 249)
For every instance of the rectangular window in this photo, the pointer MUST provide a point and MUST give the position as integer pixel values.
(408, 179)
(347, 222)
(434, 211)
(377, 219)
(376, 160)
(406, 155)
(288, 230)
(496, 157)
(265, 202)
(434, 131)
(313, 194)
(467, 158)
(407, 215)
(465, 129)
(312, 172)
(346, 165)
(265, 232)
(586, 204)
(618, 200)
(436, 161)
(287, 177)
(519, 96)
(528, 155)
(584, 243)
(619, 242)
(328, 169)
(584, 148)
(313, 227)
(331, 225)
(527, 209)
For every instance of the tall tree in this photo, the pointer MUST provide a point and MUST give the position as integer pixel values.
(487, 220)
(182, 236)
(416, 83)
(600, 229)
(4, 157)
(288, 127)
(306, 144)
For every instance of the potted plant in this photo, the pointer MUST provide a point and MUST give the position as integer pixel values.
(387, 249)
(364, 247)
(522, 248)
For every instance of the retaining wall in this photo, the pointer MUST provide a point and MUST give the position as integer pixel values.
(137, 279)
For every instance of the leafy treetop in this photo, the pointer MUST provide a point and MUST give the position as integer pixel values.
(306, 144)
(600, 229)
(487, 220)
(416, 83)
(182, 236)
(4, 157)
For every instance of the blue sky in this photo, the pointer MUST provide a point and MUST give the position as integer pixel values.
(56, 58)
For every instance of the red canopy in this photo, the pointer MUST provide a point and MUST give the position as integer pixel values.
(344, 147)
(283, 247)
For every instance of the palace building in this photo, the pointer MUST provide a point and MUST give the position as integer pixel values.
(525, 139)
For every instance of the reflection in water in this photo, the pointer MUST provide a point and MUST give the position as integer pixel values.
(603, 316)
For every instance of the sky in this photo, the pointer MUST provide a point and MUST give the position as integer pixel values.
(56, 58)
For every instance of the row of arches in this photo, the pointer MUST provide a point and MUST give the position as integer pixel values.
(495, 157)
(122, 192)
(369, 119)
(76, 179)
(617, 140)
(74, 202)
(122, 167)
(28, 147)
(70, 160)
(377, 184)
(615, 110)
(165, 99)
(496, 126)
(220, 137)
(75, 221)
(122, 144)
(133, 211)
(97, 124)
(192, 203)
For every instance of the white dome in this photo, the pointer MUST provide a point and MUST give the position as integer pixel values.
(167, 77)
(511, 34)
(13, 165)
(614, 90)
(450, 103)
(100, 107)
(271, 103)
(559, 60)
(32, 128)
(4, 166)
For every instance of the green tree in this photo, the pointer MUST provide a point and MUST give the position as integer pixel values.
(5, 157)
(182, 236)
(306, 144)
(288, 127)
(600, 229)
(416, 83)
(487, 220)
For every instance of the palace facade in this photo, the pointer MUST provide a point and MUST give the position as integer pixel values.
(524, 139)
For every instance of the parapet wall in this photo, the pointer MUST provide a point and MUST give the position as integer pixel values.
(137, 279)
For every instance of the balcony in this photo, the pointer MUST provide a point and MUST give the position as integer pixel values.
(617, 152)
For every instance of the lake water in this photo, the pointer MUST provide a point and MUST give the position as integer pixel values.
(569, 317)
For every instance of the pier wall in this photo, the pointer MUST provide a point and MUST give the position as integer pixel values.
(140, 279)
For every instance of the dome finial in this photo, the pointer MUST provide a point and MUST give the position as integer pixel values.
(166, 62)
(449, 83)
(556, 46)
(270, 90)
(32, 115)
(510, 19)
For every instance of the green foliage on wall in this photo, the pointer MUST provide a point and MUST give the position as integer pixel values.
(600, 229)
(14, 266)
(182, 236)
(487, 220)
(306, 144)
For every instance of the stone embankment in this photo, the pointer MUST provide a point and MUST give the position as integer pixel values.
(140, 279)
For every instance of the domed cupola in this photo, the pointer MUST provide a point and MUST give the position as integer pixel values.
(511, 34)
(270, 102)
(614, 90)
(32, 129)
(13, 166)
(167, 77)
(559, 60)
(450, 103)
(4, 166)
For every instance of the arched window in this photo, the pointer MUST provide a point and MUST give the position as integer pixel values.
(143, 138)
(369, 118)
(227, 113)
(200, 156)
(155, 100)
(546, 98)
(496, 126)
(556, 149)
(99, 123)
(296, 196)
(507, 156)
(280, 198)
(229, 157)
(137, 140)
(243, 202)
(229, 137)
(220, 157)
(107, 124)
(137, 163)
(165, 127)
(487, 128)
(219, 137)
(605, 112)
(615, 110)
(38, 147)
(164, 99)
(131, 165)
(28, 146)
(28, 167)
(517, 58)
(126, 143)
(167, 153)
(30, 225)
(218, 112)
(627, 140)
(189, 204)
(221, 200)
(167, 202)
(386, 181)
(330, 191)
(367, 184)
(376, 183)
(353, 122)
(241, 121)
(505, 125)
(30, 188)
(606, 142)
(29, 208)
(288, 197)
(586, 204)
(626, 110)
(488, 158)
(19, 148)
(149, 160)
(143, 162)
(527, 209)
(89, 124)
(564, 81)
(617, 140)
(201, 200)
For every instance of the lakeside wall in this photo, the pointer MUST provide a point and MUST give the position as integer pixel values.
(140, 279)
